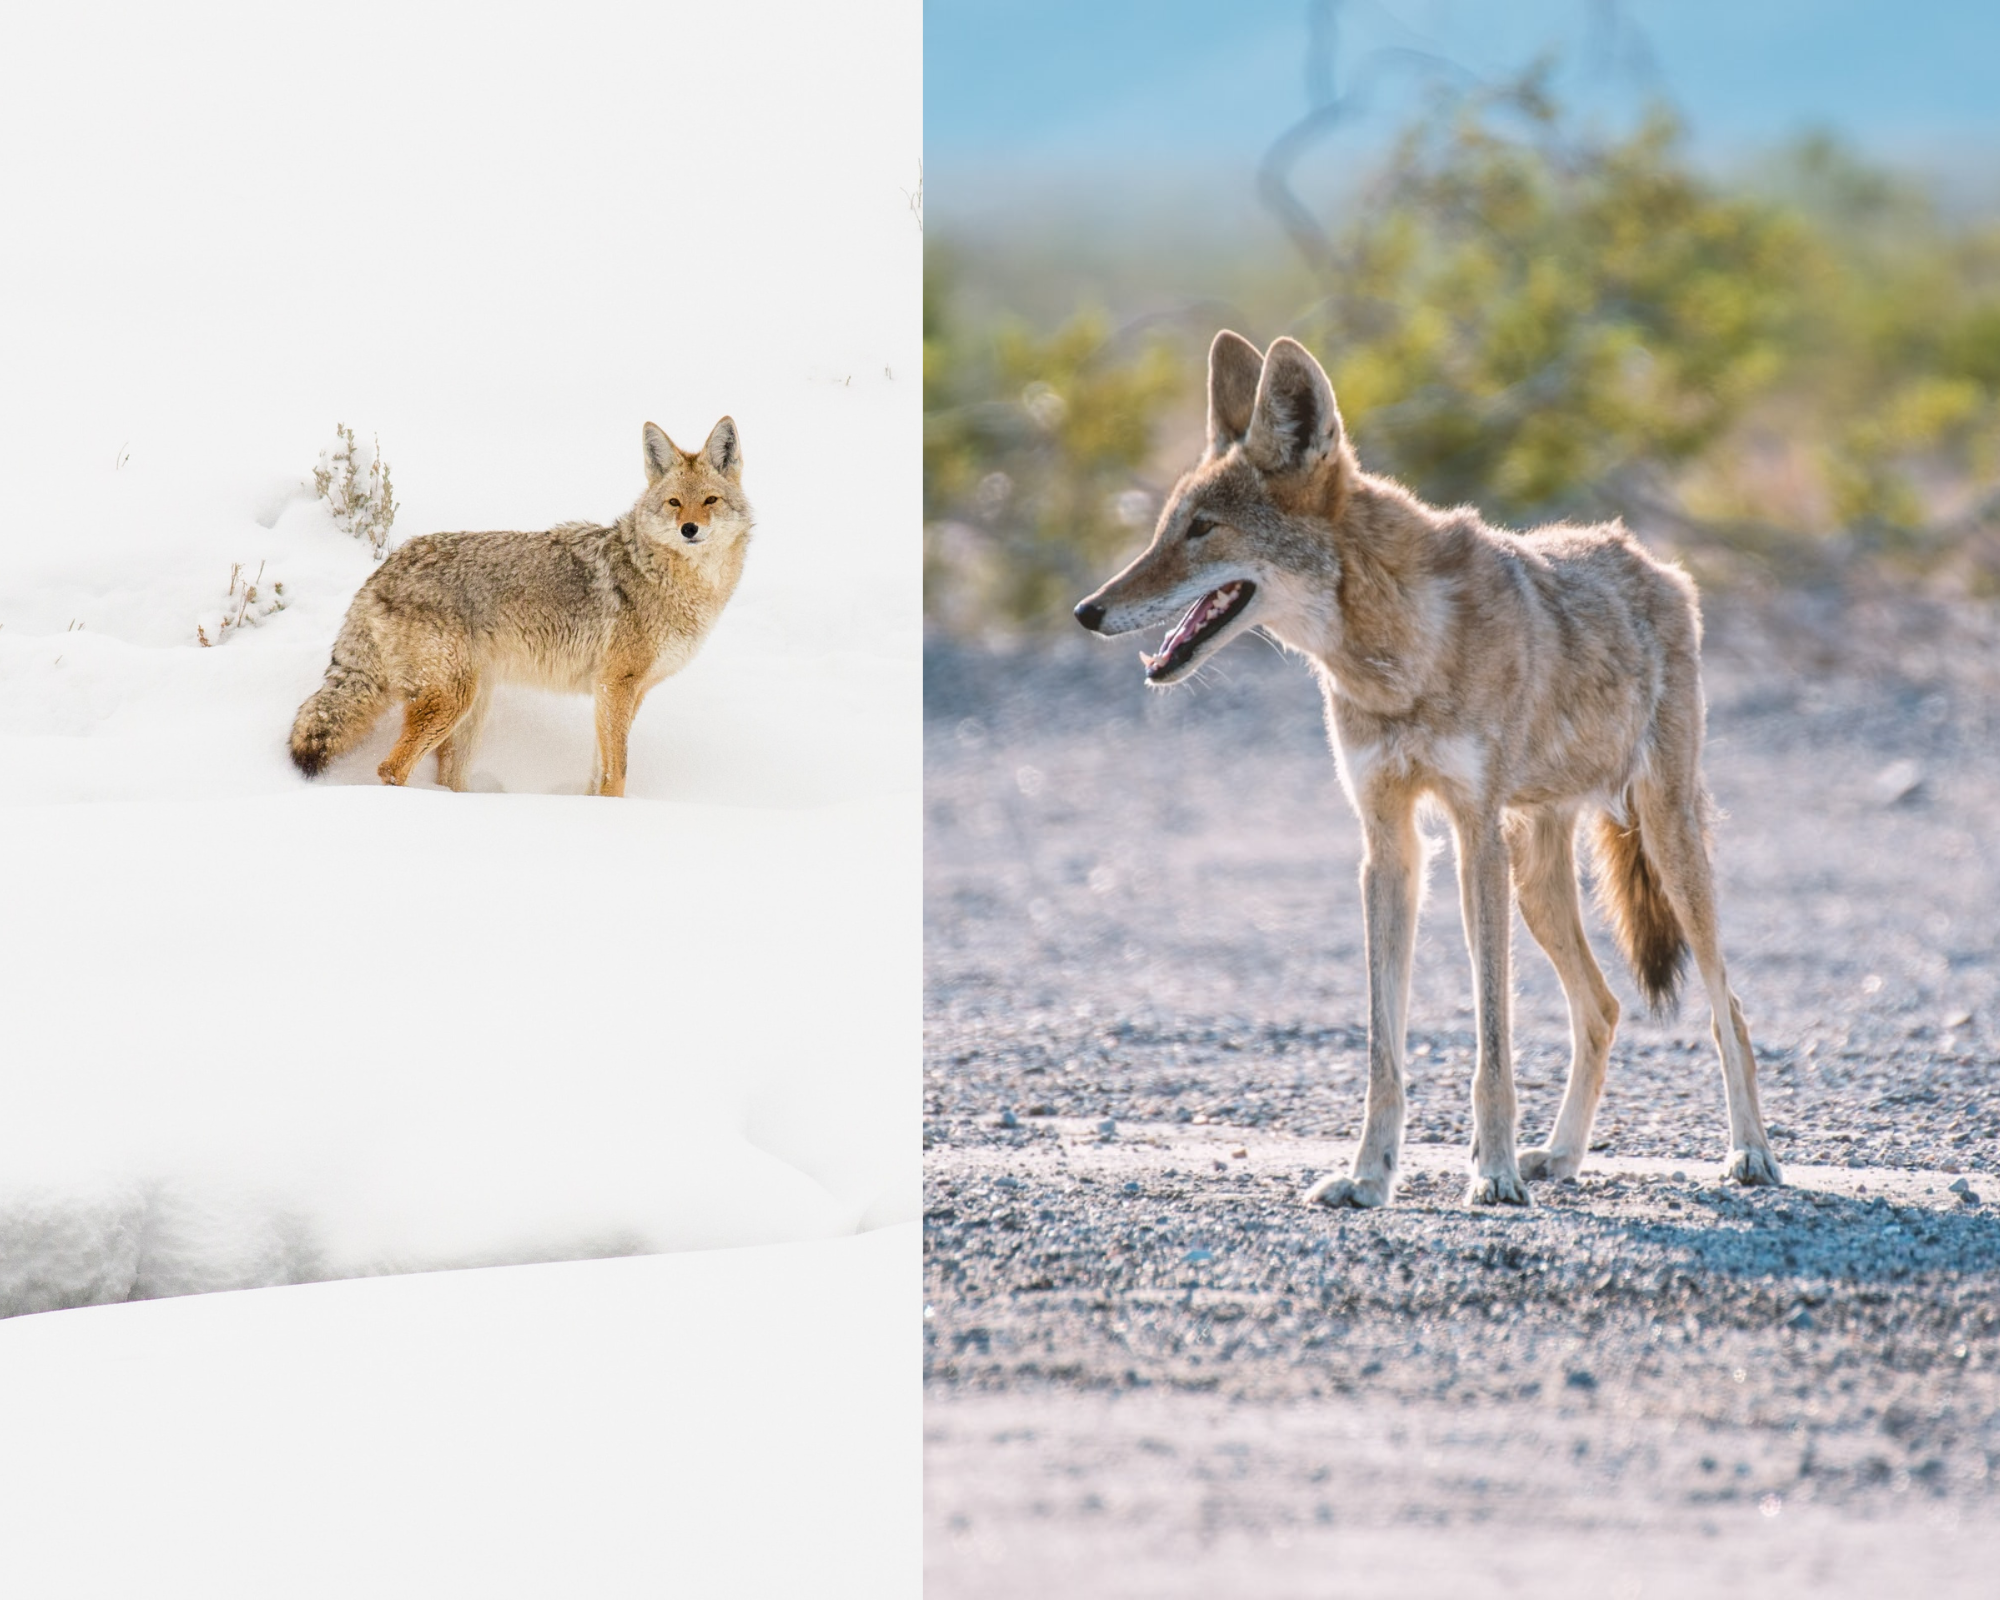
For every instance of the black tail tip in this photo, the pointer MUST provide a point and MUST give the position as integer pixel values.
(309, 759)
(1660, 975)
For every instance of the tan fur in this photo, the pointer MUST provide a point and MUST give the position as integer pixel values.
(607, 611)
(1641, 916)
(1524, 682)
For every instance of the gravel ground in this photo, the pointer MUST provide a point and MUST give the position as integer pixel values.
(1150, 1369)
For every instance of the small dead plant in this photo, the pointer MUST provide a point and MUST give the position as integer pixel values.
(353, 479)
(247, 603)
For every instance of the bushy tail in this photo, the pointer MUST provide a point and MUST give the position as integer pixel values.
(338, 714)
(1642, 918)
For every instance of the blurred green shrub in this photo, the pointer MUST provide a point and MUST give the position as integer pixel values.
(1530, 322)
(1542, 323)
(1897, 377)
(1029, 443)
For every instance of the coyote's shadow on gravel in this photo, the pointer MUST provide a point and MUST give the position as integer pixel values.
(1810, 1235)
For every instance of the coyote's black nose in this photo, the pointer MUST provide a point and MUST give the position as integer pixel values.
(1091, 616)
(689, 530)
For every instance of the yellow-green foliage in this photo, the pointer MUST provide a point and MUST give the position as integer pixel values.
(1899, 371)
(1539, 323)
(1028, 441)
(1518, 321)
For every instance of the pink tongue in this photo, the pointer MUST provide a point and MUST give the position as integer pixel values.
(1199, 617)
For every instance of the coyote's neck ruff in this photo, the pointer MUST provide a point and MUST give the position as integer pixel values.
(602, 610)
(1525, 682)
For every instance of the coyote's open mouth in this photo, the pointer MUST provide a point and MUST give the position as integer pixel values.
(1207, 617)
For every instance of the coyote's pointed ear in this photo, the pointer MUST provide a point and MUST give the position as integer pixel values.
(1234, 366)
(661, 452)
(723, 452)
(1294, 424)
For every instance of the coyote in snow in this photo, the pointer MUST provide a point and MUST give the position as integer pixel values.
(1525, 682)
(607, 611)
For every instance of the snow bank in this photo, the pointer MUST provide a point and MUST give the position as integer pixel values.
(356, 1030)
(729, 1423)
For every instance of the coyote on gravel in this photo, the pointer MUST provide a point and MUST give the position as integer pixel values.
(1524, 682)
(606, 611)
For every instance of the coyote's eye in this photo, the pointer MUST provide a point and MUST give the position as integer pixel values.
(711, 499)
(675, 504)
(1200, 528)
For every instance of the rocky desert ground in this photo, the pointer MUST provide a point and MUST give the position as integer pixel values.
(1152, 1371)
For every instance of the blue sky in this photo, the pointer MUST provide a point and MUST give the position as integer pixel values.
(1044, 90)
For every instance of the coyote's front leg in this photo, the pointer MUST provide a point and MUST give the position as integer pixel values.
(1389, 891)
(618, 697)
(1485, 887)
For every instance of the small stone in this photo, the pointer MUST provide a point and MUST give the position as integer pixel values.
(1801, 1319)
(1958, 1019)
(1239, 1154)
(1198, 1257)
(1897, 782)
(1678, 1176)
(1580, 1378)
(1108, 1128)
(1008, 1119)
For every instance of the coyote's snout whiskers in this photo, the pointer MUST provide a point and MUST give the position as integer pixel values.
(1530, 684)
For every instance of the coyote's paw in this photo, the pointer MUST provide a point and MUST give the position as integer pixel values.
(1751, 1167)
(1362, 1193)
(387, 774)
(1541, 1161)
(1501, 1189)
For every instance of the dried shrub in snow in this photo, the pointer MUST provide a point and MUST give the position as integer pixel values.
(247, 603)
(353, 479)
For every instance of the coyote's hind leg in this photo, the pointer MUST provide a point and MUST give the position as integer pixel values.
(1543, 848)
(1676, 842)
(456, 750)
(428, 719)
